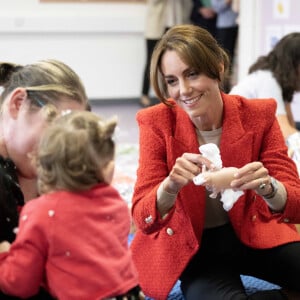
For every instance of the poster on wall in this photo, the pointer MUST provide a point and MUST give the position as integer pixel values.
(282, 21)
(281, 9)
(273, 35)
(279, 18)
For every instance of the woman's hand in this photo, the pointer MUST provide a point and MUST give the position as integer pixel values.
(253, 176)
(218, 180)
(184, 170)
(207, 12)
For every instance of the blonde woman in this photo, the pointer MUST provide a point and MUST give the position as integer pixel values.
(73, 238)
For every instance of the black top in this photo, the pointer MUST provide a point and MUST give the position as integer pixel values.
(11, 198)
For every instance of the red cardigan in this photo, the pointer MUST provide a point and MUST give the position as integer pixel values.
(250, 132)
(76, 244)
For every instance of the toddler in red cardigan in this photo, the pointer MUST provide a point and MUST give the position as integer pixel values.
(73, 239)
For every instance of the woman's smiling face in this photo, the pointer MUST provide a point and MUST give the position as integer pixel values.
(197, 94)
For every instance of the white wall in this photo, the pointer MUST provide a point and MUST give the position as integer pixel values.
(103, 42)
(249, 35)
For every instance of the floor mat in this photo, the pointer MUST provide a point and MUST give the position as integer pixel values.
(125, 170)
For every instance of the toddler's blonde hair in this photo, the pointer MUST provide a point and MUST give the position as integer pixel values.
(73, 151)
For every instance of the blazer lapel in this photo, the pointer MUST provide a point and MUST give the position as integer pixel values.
(236, 143)
(184, 137)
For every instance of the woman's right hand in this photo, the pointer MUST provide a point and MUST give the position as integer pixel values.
(207, 12)
(184, 170)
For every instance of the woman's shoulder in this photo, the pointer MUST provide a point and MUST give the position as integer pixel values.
(257, 85)
(254, 106)
(158, 112)
(259, 75)
(255, 78)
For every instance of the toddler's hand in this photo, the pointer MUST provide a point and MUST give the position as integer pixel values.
(4, 246)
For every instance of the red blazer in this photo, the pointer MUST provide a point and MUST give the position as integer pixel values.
(76, 244)
(250, 132)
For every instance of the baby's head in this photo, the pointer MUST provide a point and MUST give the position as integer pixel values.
(76, 152)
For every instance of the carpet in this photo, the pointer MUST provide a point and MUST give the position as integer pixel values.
(125, 170)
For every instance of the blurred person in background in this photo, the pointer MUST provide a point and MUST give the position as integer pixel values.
(227, 33)
(160, 15)
(203, 15)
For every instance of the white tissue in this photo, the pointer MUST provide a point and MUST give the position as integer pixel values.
(199, 179)
(212, 153)
(228, 196)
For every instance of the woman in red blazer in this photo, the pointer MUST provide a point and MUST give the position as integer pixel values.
(184, 234)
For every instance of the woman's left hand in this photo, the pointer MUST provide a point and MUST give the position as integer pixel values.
(252, 176)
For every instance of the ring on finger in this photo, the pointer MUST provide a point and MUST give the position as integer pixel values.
(262, 186)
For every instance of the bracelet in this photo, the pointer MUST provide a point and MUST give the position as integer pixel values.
(169, 193)
(274, 189)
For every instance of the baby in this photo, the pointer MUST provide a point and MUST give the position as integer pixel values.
(219, 179)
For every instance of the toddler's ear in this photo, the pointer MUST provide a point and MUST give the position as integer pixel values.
(108, 171)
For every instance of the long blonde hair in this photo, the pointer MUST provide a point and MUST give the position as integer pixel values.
(73, 150)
